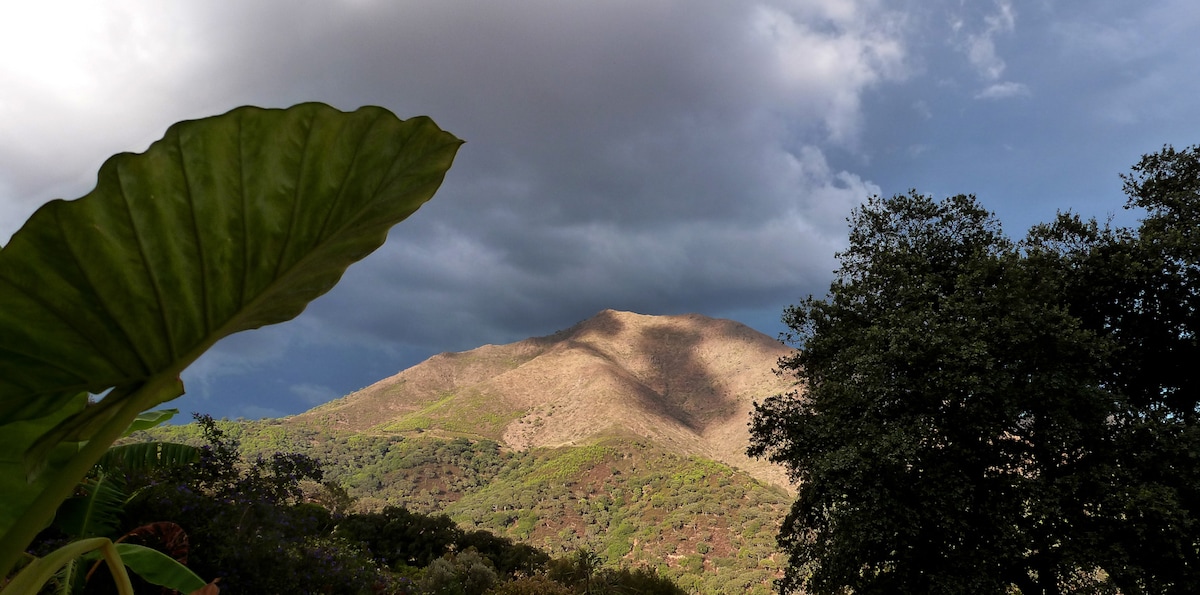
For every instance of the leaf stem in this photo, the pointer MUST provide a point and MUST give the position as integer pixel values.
(63, 481)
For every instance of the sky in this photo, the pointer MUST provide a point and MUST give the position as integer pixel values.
(657, 156)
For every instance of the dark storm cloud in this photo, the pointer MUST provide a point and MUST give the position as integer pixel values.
(656, 156)
(661, 156)
(653, 156)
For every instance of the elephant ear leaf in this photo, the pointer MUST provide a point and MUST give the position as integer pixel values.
(225, 224)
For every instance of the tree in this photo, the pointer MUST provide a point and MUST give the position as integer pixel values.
(1141, 290)
(246, 520)
(398, 537)
(975, 414)
(466, 573)
(538, 584)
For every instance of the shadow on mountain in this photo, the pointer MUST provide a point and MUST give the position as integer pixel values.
(683, 387)
(684, 382)
(606, 323)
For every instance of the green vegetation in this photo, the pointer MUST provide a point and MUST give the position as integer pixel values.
(87, 525)
(274, 523)
(986, 416)
(568, 464)
(226, 224)
(633, 505)
(472, 414)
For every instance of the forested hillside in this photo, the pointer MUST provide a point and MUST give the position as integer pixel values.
(706, 525)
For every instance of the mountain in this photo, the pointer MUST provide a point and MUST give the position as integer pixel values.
(623, 436)
(684, 383)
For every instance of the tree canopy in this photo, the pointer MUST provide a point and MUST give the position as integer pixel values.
(978, 414)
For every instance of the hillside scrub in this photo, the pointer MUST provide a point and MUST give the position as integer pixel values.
(631, 504)
(258, 522)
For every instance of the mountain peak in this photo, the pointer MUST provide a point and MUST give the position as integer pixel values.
(686, 382)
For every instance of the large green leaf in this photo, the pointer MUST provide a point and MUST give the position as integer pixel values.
(226, 224)
(34, 576)
(150, 564)
(159, 568)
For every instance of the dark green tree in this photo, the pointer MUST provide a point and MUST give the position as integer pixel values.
(979, 415)
(1140, 289)
(398, 537)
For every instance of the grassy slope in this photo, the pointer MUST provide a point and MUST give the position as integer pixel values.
(709, 526)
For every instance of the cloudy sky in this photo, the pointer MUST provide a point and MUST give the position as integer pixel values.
(659, 156)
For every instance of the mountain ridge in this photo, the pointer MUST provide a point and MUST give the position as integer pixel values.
(685, 382)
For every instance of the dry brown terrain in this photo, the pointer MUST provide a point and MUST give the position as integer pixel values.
(686, 383)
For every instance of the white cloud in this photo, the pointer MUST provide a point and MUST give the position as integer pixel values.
(1004, 90)
(827, 64)
(83, 80)
(922, 109)
(981, 47)
(981, 52)
(916, 150)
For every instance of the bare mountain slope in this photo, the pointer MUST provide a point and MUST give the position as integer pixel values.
(684, 382)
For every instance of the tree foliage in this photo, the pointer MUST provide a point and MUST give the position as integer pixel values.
(634, 505)
(253, 521)
(975, 414)
(245, 520)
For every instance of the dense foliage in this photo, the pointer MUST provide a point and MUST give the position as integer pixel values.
(272, 522)
(982, 415)
(706, 527)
